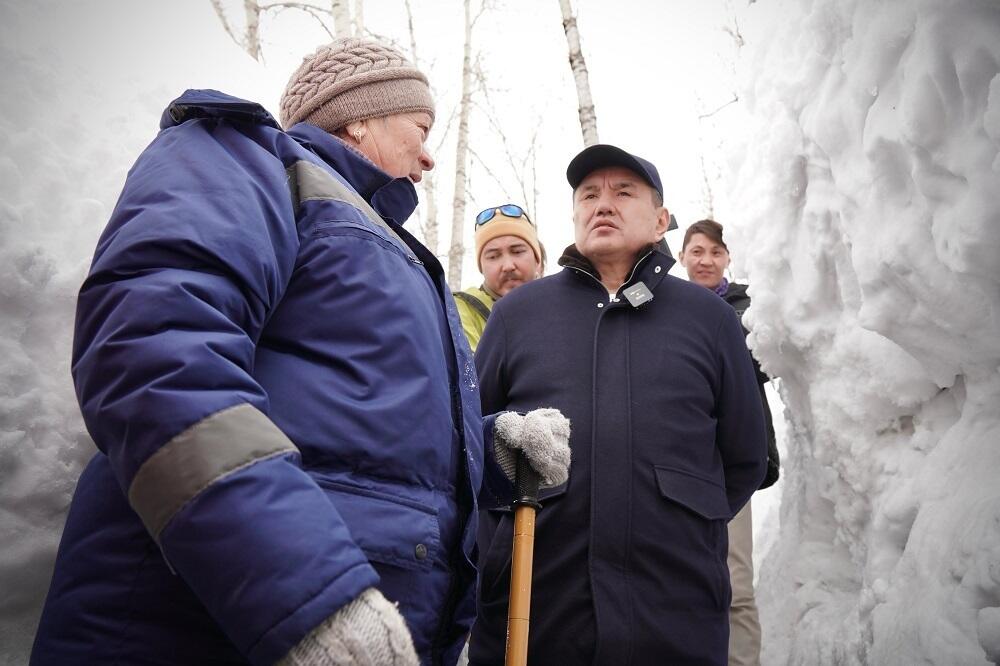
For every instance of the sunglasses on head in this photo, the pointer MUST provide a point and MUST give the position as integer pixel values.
(510, 210)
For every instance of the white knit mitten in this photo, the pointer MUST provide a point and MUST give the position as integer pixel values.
(369, 631)
(542, 435)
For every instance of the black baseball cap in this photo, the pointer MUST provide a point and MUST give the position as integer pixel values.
(603, 155)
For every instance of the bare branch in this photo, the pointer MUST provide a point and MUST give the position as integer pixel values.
(490, 173)
(516, 169)
(413, 34)
(709, 196)
(447, 129)
(734, 31)
(533, 154)
(482, 10)
(385, 39)
(315, 12)
(734, 100)
(304, 6)
(217, 5)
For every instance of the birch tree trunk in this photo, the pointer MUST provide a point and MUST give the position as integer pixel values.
(359, 18)
(457, 249)
(251, 39)
(430, 219)
(588, 116)
(341, 12)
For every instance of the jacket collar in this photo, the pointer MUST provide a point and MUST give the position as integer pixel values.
(489, 292)
(572, 258)
(392, 198)
(214, 104)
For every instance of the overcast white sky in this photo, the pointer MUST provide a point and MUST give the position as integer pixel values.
(654, 66)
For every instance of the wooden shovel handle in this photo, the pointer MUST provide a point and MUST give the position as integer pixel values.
(519, 610)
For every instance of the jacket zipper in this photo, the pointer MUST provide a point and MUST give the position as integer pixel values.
(627, 280)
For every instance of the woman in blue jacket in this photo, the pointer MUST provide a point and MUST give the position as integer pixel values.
(272, 367)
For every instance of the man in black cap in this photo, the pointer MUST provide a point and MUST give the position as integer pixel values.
(668, 438)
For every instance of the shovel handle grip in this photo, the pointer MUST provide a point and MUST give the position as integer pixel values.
(526, 482)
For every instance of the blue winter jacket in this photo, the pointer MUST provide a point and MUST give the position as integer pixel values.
(285, 406)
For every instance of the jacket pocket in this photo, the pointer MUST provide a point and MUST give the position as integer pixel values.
(695, 520)
(389, 529)
(703, 497)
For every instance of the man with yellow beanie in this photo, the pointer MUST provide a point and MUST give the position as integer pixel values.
(508, 255)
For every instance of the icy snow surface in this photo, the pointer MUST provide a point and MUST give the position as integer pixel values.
(866, 183)
(67, 139)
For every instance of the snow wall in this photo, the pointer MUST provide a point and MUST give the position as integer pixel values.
(865, 182)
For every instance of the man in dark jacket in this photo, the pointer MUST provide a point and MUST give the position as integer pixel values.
(705, 256)
(668, 438)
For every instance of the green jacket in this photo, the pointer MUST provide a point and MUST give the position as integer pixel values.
(474, 306)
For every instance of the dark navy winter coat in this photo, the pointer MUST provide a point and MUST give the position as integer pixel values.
(667, 444)
(285, 406)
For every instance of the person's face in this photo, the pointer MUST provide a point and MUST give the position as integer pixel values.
(705, 260)
(396, 144)
(615, 216)
(508, 262)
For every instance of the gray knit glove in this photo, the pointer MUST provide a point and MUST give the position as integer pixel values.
(542, 435)
(369, 631)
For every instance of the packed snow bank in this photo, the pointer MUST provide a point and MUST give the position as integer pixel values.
(77, 108)
(866, 214)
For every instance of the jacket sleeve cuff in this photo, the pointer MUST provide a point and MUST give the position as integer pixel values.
(497, 489)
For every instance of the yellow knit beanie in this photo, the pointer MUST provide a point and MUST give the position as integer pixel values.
(504, 225)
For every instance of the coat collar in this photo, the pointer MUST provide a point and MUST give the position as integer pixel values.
(651, 264)
(209, 103)
(392, 198)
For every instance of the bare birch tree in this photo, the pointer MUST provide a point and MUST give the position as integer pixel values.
(588, 115)
(456, 251)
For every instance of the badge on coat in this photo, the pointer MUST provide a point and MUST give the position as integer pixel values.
(638, 294)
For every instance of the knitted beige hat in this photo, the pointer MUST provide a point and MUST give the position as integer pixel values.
(353, 79)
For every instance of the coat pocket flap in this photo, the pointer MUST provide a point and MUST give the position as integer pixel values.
(389, 530)
(543, 496)
(702, 496)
